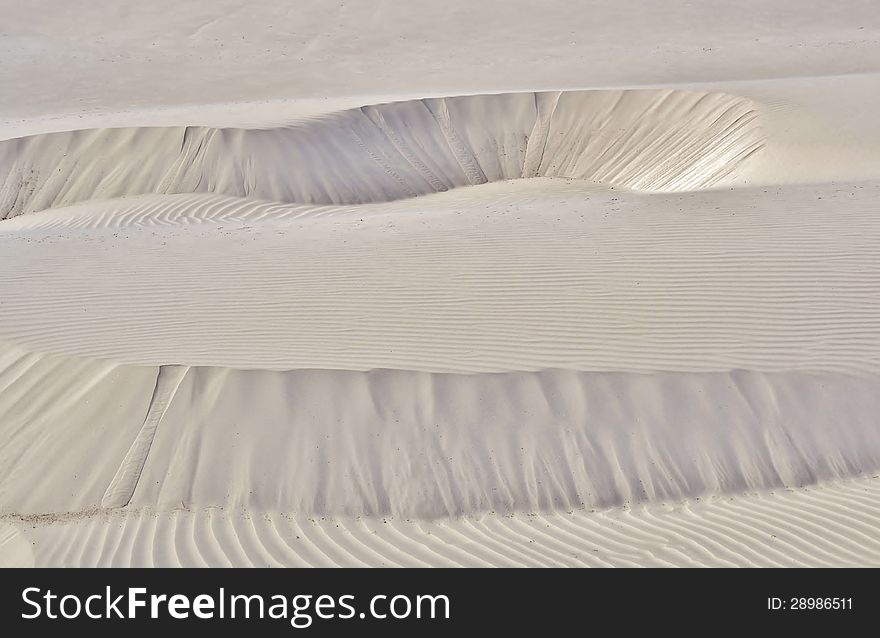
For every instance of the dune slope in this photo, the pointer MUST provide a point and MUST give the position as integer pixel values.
(642, 139)
(220, 342)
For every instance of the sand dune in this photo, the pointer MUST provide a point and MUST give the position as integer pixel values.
(648, 140)
(534, 322)
(523, 275)
(78, 59)
(413, 444)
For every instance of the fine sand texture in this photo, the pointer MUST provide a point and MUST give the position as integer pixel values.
(453, 318)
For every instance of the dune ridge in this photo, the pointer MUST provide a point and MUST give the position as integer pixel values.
(648, 139)
(422, 445)
(412, 444)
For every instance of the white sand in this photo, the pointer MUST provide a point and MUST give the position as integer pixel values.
(831, 526)
(564, 320)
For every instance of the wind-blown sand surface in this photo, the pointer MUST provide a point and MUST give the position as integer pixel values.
(594, 324)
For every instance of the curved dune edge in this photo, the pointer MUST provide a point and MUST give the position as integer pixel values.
(653, 140)
(830, 525)
(415, 444)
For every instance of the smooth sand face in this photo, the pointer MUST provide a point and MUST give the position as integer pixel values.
(80, 59)
(539, 326)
